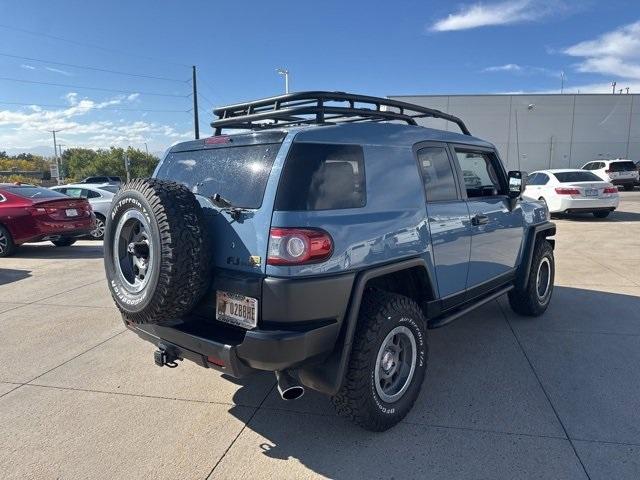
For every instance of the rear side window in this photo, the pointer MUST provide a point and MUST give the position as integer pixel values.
(322, 177)
(622, 166)
(238, 174)
(437, 175)
(580, 176)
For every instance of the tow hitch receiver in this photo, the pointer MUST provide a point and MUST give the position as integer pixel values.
(164, 356)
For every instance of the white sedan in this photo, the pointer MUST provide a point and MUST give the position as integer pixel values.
(572, 191)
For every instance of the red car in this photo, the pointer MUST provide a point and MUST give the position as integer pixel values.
(34, 214)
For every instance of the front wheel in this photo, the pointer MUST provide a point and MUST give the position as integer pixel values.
(64, 242)
(534, 299)
(387, 364)
(7, 247)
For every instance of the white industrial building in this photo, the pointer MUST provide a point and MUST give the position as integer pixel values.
(545, 131)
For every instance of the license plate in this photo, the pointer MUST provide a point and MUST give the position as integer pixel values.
(71, 212)
(236, 309)
(591, 192)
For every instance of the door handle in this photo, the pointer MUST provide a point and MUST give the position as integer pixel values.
(479, 219)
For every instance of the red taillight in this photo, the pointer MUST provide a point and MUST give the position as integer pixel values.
(297, 246)
(567, 191)
(610, 190)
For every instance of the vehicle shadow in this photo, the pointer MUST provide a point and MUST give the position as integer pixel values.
(478, 381)
(616, 216)
(48, 251)
(10, 275)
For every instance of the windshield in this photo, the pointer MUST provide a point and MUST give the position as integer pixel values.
(622, 166)
(33, 192)
(238, 174)
(579, 176)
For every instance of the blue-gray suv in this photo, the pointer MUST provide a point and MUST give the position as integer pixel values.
(320, 241)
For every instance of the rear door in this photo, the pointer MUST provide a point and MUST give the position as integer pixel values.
(496, 230)
(448, 216)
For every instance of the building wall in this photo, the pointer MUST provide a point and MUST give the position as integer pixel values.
(548, 131)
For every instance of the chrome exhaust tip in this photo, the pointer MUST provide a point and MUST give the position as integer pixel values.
(288, 386)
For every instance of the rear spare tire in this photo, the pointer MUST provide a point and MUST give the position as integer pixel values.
(156, 256)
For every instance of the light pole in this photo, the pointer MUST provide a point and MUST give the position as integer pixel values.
(530, 107)
(285, 73)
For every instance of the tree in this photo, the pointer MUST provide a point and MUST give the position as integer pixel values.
(79, 163)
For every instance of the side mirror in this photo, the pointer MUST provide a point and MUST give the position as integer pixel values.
(517, 183)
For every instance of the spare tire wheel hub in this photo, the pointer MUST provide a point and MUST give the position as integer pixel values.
(133, 250)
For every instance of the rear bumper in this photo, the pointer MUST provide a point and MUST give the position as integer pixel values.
(299, 324)
(568, 205)
(624, 181)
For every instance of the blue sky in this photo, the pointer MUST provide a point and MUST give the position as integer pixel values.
(379, 48)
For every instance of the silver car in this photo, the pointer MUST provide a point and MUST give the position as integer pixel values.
(99, 196)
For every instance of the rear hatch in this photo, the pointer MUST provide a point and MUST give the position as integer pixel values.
(622, 170)
(238, 169)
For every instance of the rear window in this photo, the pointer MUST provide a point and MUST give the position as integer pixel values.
(581, 176)
(322, 177)
(622, 166)
(110, 188)
(33, 192)
(238, 174)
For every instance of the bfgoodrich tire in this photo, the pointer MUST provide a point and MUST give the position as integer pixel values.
(155, 252)
(534, 299)
(387, 364)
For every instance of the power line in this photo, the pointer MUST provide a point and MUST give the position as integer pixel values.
(89, 45)
(19, 80)
(86, 67)
(45, 105)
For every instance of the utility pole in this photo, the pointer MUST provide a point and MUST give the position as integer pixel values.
(146, 148)
(196, 124)
(613, 85)
(55, 154)
(127, 164)
(561, 82)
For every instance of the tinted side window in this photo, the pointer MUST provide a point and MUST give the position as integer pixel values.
(322, 177)
(542, 179)
(92, 194)
(480, 177)
(439, 183)
(75, 192)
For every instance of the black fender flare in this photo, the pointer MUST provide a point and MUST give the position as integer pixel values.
(543, 230)
(328, 376)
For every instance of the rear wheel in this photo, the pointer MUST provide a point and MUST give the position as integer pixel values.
(64, 242)
(628, 188)
(387, 364)
(98, 232)
(7, 247)
(534, 299)
(601, 213)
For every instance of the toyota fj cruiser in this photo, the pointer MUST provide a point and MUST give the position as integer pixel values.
(321, 242)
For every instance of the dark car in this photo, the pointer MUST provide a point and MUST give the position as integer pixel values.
(239, 253)
(34, 214)
(102, 179)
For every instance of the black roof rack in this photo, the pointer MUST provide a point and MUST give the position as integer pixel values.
(321, 108)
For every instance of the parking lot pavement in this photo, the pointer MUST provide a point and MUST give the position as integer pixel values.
(505, 396)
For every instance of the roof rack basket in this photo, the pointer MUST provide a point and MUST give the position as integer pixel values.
(321, 108)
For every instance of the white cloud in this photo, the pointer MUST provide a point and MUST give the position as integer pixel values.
(615, 53)
(501, 13)
(28, 128)
(27, 67)
(508, 67)
(57, 70)
(132, 97)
